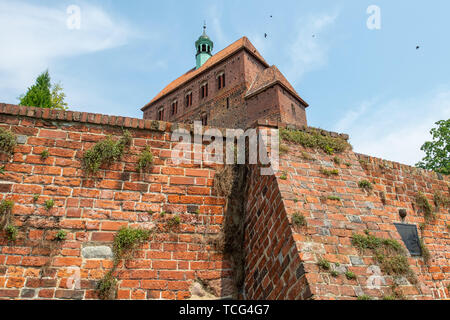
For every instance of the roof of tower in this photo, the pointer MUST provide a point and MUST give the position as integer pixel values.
(267, 78)
(242, 43)
(204, 35)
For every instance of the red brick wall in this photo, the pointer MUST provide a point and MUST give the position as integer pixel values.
(264, 105)
(92, 210)
(400, 184)
(291, 111)
(280, 259)
(331, 223)
(252, 67)
(274, 269)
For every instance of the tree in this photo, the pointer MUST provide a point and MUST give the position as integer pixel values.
(43, 95)
(58, 97)
(438, 151)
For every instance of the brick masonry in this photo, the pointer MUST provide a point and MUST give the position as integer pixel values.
(331, 224)
(92, 210)
(229, 107)
(280, 260)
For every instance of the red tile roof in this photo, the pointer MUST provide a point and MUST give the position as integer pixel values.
(268, 78)
(242, 43)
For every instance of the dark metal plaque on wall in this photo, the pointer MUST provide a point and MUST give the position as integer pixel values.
(410, 237)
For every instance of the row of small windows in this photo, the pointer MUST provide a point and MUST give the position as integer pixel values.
(188, 97)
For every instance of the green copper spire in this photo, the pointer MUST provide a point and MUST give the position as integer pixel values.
(204, 47)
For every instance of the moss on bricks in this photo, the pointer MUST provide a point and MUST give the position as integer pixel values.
(314, 139)
(8, 141)
(388, 253)
(105, 152)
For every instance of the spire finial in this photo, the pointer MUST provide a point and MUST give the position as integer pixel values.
(204, 27)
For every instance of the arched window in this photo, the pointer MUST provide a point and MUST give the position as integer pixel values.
(221, 81)
(161, 114)
(174, 108)
(204, 90)
(188, 99)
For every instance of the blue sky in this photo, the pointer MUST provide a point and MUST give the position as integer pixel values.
(371, 84)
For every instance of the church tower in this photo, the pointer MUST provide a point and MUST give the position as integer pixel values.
(204, 47)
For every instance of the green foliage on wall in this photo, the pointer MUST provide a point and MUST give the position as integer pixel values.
(125, 241)
(145, 160)
(388, 253)
(314, 139)
(299, 219)
(8, 141)
(105, 152)
(423, 203)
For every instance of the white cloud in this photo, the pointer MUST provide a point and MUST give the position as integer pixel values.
(309, 50)
(395, 129)
(34, 36)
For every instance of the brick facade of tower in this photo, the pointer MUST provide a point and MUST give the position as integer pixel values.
(241, 88)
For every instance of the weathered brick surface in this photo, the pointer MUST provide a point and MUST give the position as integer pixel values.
(331, 223)
(271, 257)
(92, 210)
(280, 259)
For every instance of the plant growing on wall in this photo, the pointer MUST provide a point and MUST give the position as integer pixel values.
(105, 152)
(125, 241)
(61, 235)
(284, 149)
(6, 207)
(145, 160)
(174, 222)
(324, 264)
(350, 275)
(366, 185)
(45, 154)
(11, 231)
(299, 220)
(306, 156)
(334, 198)
(426, 255)
(329, 173)
(440, 200)
(49, 204)
(388, 253)
(314, 139)
(423, 203)
(106, 288)
(8, 141)
(337, 160)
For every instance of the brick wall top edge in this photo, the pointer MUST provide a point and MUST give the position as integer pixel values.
(83, 117)
(276, 124)
(99, 119)
(402, 166)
